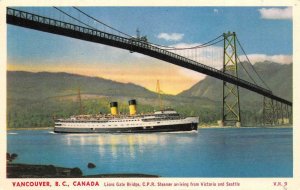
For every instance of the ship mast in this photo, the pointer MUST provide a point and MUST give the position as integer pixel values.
(158, 90)
(79, 100)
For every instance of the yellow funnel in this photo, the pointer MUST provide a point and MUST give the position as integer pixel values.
(132, 107)
(114, 108)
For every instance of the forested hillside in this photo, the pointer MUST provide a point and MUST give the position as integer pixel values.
(34, 99)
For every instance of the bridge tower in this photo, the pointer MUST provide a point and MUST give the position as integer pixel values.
(231, 99)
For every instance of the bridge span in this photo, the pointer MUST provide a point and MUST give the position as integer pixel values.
(45, 24)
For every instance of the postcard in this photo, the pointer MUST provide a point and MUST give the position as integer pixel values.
(131, 95)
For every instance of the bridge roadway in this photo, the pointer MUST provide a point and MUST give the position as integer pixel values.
(36, 22)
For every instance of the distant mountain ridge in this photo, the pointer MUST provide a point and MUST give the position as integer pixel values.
(278, 78)
(46, 85)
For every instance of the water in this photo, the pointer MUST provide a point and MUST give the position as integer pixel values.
(244, 152)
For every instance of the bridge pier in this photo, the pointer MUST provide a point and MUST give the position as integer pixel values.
(221, 123)
(276, 113)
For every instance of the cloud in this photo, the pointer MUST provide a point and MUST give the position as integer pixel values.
(276, 13)
(170, 37)
(282, 59)
(185, 45)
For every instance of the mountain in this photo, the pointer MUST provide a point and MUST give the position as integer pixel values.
(42, 85)
(278, 78)
(33, 99)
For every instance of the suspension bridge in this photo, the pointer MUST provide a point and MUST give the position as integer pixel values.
(275, 108)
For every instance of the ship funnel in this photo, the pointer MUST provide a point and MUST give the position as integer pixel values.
(132, 107)
(114, 108)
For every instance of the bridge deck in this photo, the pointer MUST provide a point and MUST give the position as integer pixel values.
(36, 22)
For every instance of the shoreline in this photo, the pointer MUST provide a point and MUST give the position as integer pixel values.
(21, 170)
(199, 127)
(246, 127)
(29, 128)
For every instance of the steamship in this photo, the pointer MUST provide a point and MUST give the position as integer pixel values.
(167, 120)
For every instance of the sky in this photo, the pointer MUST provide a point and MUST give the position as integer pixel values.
(264, 32)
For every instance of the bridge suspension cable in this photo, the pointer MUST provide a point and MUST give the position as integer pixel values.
(252, 65)
(97, 20)
(195, 55)
(74, 18)
(246, 70)
(206, 44)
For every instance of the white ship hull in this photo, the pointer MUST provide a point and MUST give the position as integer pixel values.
(127, 125)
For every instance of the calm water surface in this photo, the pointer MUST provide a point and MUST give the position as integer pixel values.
(244, 152)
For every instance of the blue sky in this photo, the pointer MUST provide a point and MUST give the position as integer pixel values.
(265, 33)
